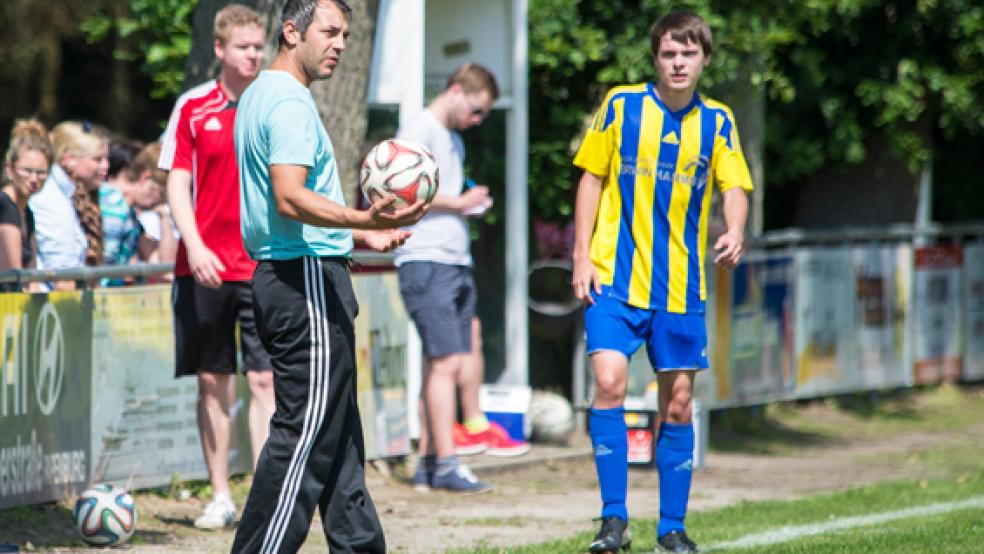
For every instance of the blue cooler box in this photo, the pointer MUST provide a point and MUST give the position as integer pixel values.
(507, 405)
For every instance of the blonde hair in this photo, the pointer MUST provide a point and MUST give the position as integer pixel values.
(146, 160)
(473, 78)
(80, 139)
(231, 16)
(29, 134)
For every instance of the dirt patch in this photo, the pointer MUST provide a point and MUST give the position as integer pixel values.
(549, 497)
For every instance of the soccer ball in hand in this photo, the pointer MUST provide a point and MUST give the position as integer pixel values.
(403, 168)
(105, 515)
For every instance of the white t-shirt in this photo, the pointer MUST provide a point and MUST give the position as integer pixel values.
(150, 220)
(439, 236)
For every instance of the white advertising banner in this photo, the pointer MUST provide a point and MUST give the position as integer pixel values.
(143, 419)
(936, 313)
(381, 360)
(973, 303)
(879, 318)
(761, 330)
(825, 324)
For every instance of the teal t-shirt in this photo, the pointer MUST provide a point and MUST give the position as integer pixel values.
(277, 122)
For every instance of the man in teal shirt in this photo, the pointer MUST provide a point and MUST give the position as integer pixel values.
(295, 224)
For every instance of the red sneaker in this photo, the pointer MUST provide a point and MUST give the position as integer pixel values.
(466, 444)
(501, 444)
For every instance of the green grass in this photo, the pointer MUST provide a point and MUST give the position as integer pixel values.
(784, 427)
(953, 532)
(961, 530)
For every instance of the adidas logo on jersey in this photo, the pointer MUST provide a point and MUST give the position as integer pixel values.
(685, 466)
(213, 124)
(602, 450)
(670, 138)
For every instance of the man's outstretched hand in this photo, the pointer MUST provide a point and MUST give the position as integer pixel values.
(384, 240)
(384, 213)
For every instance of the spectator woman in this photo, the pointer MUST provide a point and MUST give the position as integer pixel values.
(121, 230)
(66, 210)
(131, 204)
(27, 161)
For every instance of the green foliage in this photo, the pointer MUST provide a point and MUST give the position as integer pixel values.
(156, 33)
(580, 49)
(836, 73)
(904, 71)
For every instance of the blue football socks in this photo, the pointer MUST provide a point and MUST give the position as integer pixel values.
(674, 460)
(610, 441)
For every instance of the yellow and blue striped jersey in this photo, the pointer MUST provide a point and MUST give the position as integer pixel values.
(650, 235)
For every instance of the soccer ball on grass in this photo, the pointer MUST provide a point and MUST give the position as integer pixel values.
(551, 417)
(105, 515)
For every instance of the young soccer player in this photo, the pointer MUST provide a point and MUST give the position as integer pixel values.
(650, 159)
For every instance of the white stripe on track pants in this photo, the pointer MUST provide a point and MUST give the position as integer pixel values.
(315, 456)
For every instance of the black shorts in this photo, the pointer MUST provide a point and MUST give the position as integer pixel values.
(440, 299)
(205, 328)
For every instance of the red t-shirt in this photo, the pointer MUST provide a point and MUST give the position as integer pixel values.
(199, 139)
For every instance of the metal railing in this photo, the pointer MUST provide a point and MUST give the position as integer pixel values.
(895, 233)
(95, 273)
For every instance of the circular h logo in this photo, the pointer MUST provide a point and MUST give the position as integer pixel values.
(49, 356)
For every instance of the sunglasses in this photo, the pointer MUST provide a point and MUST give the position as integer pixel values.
(477, 110)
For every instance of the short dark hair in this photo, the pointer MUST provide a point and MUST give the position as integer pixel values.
(301, 12)
(472, 78)
(683, 27)
(122, 153)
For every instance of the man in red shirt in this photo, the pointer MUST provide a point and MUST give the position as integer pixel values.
(213, 273)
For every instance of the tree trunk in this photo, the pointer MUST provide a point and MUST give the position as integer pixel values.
(119, 79)
(341, 99)
(51, 69)
(748, 103)
(201, 64)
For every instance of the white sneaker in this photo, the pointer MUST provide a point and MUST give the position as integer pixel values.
(218, 514)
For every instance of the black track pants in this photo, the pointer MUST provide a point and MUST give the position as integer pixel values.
(315, 456)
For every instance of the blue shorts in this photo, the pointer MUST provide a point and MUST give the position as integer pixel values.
(440, 299)
(673, 341)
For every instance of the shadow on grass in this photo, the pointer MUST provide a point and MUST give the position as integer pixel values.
(757, 429)
(52, 526)
(41, 525)
(753, 430)
(893, 405)
(180, 521)
(152, 537)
